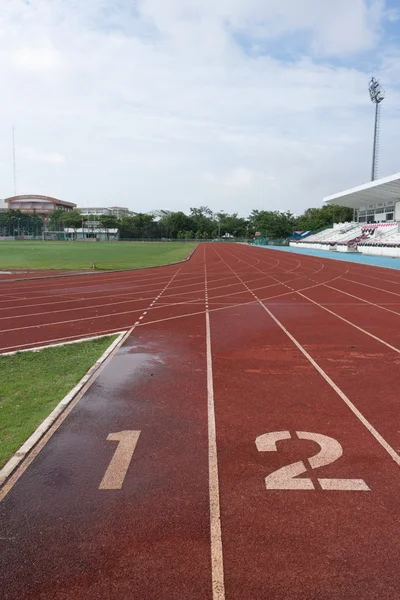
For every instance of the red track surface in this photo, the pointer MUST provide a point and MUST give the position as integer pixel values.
(295, 344)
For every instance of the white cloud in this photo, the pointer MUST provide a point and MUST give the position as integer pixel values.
(235, 178)
(39, 59)
(35, 155)
(156, 105)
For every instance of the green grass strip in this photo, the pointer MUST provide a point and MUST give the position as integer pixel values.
(33, 383)
(80, 255)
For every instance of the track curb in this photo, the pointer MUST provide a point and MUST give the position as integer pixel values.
(75, 394)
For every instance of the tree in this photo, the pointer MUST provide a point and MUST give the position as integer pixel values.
(108, 222)
(141, 225)
(13, 222)
(233, 224)
(72, 218)
(202, 219)
(173, 222)
(55, 221)
(273, 223)
(317, 218)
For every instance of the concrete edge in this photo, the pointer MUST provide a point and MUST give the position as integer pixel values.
(57, 344)
(177, 262)
(43, 428)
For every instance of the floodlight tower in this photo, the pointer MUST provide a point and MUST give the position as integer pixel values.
(377, 95)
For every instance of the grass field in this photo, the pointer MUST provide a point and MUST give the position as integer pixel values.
(79, 255)
(33, 383)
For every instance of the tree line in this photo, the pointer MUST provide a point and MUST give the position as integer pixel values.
(200, 223)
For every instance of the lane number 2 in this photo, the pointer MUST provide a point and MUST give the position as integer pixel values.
(116, 471)
(285, 477)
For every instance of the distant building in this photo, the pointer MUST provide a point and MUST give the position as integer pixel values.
(34, 204)
(94, 233)
(120, 211)
(116, 211)
(94, 210)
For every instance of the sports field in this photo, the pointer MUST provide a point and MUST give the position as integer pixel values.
(241, 444)
(79, 255)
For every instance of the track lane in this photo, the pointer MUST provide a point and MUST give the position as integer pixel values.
(276, 543)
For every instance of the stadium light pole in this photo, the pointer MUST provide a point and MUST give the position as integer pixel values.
(377, 95)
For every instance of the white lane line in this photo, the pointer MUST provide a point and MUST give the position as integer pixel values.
(353, 296)
(394, 455)
(85, 299)
(217, 563)
(382, 307)
(229, 306)
(350, 323)
(91, 288)
(75, 309)
(368, 276)
(76, 320)
(90, 318)
(371, 286)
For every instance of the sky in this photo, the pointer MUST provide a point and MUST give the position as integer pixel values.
(169, 104)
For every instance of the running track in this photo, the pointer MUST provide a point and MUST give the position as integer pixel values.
(262, 387)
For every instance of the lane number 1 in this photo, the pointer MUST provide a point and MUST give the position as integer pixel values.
(285, 477)
(116, 471)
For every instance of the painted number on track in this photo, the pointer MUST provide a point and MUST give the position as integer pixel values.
(116, 471)
(285, 477)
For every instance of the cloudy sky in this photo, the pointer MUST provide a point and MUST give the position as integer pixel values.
(237, 104)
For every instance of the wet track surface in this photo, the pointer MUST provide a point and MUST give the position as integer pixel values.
(243, 442)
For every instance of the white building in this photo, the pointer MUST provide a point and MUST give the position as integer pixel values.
(116, 211)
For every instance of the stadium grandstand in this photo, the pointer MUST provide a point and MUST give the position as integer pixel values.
(375, 226)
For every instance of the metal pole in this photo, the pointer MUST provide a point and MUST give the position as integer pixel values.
(373, 170)
(14, 167)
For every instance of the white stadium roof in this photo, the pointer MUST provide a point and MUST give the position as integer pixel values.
(381, 190)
